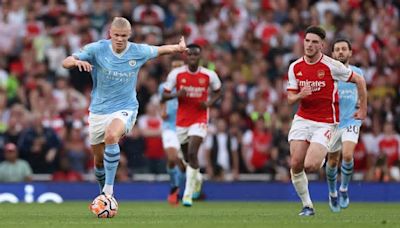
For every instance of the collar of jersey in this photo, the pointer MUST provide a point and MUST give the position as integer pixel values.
(122, 53)
(190, 72)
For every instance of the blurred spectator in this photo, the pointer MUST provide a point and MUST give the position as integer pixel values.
(258, 144)
(75, 149)
(389, 146)
(133, 147)
(39, 145)
(65, 173)
(14, 169)
(222, 151)
(150, 127)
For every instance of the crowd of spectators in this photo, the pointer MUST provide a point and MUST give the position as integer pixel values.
(249, 43)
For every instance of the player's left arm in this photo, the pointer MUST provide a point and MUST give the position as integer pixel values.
(216, 87)
(359, 80)
(216, 94)
(172, 48)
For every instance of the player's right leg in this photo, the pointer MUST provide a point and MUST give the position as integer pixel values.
(98, 154)
(172, 147)
(331, 177)
(298, 139)
(346, 172)
(334, 146)
(174, 173)
(298, 150)
(196, 133)
(192, 169)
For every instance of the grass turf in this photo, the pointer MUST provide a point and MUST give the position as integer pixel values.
(202, 214)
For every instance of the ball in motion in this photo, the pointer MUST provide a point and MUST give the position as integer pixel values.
(104, 206)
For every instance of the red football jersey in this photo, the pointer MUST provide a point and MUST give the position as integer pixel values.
(196, 85)
(322, 105)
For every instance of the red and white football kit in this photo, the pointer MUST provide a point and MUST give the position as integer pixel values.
(318, 113)
(191, 118)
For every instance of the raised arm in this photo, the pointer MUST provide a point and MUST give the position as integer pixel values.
(361, 113)
(72, 62)
(172, 48)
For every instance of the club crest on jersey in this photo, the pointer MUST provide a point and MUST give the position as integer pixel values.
(320, 73)
(132, 63)
(202, 81)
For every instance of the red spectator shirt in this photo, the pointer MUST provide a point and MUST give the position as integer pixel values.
(196, 85)
(390, 146)
(322, 105)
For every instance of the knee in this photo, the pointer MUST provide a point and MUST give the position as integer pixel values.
(312, 167)
(98, 163)
(347, 157)
(111, 137)
(332, 162)
(296, 165)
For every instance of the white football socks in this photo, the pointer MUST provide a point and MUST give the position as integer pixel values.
(191, 178)
(300, 183)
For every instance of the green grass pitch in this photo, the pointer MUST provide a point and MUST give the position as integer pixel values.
(202, 214)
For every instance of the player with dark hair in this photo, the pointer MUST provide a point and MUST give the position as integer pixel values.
(192, 82)
(346, 137)
(313, 83)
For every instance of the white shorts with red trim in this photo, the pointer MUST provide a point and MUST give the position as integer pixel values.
(349, 134)
(197, 129)
(311, 131)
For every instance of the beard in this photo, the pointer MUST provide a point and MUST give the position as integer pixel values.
(343, 60)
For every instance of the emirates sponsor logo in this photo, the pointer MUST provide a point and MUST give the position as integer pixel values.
(194, 92)
(315, 85)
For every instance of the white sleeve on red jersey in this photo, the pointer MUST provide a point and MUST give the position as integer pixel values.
(338, 70)
(170, 83)
(215, 82)
(292, 82)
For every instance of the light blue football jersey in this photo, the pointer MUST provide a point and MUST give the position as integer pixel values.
(171, 109)
(115, 75)
(348, 98)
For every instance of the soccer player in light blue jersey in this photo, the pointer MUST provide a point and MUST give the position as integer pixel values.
(114, 65)
(175, 164)
(346, 136)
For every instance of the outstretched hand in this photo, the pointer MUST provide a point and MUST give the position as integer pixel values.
(83, 65)
(182, 45)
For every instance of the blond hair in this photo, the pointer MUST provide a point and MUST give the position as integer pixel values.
(120, 22)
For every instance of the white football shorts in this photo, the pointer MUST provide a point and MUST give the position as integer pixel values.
(197, 129)
(350, 133)
(170, 139)
(311, 131)
(98, 124)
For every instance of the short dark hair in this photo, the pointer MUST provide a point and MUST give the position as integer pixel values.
(191, 46)
(317, 31)
(338, 40)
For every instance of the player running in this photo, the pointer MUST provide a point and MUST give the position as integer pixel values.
(312, 82)
(192, 83)
(345, 138)
(114, 65)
